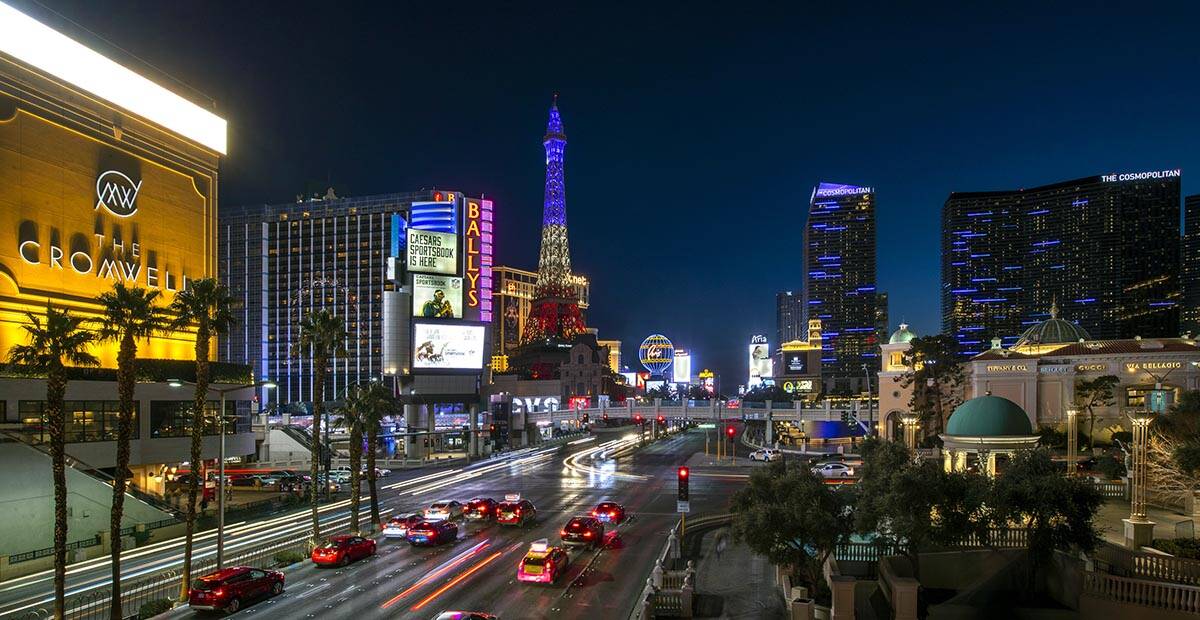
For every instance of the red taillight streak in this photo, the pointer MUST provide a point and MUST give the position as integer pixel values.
(431, 576)
(587, 534)
(455, 581)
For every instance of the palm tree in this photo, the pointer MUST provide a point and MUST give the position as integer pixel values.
(59, 342)
(382, 402)
(323, 336)
(352, 414)
(207, 306)
(130, 314)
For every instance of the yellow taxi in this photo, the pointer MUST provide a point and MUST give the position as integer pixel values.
(543, 563)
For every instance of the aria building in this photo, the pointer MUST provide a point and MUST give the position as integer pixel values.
(1104, 249)
(383, 262)
(1189, 314)
(840, 283)
(789, 317)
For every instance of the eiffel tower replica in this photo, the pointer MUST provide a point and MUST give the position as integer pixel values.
(554, 316)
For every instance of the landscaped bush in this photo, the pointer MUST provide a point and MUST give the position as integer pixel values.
(149, 609)
(1124, 437)
(1179, 547)
(1110, 467)
(284, 558)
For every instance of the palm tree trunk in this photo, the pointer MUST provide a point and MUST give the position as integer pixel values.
(372, 439)
(355, 474)
(1091, 429)
(318, 407)
(200, 401)
(125, 385)
(56, 387)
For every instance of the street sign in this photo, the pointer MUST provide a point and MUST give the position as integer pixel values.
(706, 426)
(682, 507)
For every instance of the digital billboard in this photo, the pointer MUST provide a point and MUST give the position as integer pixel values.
(795, 362)
(682, 368)
(450, 347)
(432, 252)
(437, 297)
(760, 360)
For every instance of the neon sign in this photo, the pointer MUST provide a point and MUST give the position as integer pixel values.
(478, 268)
(1141, 176)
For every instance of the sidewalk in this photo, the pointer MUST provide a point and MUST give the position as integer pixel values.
(736, 584)
(1108, 521)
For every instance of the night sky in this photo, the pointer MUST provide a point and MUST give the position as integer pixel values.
(695, 134)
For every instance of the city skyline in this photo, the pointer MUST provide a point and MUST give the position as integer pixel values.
(996, 114)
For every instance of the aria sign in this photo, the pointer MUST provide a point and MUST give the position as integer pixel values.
(117, 193)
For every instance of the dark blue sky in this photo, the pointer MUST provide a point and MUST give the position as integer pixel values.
(695, 133)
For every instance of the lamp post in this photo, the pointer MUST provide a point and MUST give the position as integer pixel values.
(1072, 441)
(1139, 531)
(270, 385)
(910, 422)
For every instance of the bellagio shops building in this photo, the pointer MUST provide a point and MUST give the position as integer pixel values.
(105, 177)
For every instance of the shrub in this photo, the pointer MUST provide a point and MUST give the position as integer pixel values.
(1110, 467)
(1179, 547)
(149, 609)
(284, 558)
(1125, 437)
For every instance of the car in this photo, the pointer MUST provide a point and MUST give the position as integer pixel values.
(397, 527)
(342, 550)
(466, 615)
(228, 589)
(515, 511)
(609, 512)
(583, 531)
(480, 508)
(444, 509)
(340, 477)
(543, 563)
(766, 455)
(382, 472)
(426, 532)
(833, 470)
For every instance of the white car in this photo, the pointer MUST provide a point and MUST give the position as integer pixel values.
(444, 509)
(381, 472)
(766, 455)
(397, 527)
(833, 470)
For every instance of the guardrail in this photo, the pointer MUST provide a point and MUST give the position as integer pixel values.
(1123, 562)
(670, 591)
(1115, 490)
(1156, 594)
(47, 551)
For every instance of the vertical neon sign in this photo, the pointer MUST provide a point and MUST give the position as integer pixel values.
(478, 269)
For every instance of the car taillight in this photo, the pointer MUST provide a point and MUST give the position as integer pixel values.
(562, 533)
(219, 592)
(595, 514)
(587, 534)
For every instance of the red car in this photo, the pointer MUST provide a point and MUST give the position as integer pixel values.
(515, 512)
(609, 512)
(342, 550)
(583, 531)
(229, 588)
(480, 509)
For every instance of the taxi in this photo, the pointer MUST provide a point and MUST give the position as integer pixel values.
(543, 563)
(514, 510)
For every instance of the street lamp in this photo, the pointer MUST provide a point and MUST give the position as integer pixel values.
(910, 422)
(1139, 531)
(1072, 441)
(270, 385)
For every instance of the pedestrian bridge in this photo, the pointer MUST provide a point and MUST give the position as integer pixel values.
(709, 411)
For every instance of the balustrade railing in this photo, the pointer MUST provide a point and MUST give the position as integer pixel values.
(1157, 594)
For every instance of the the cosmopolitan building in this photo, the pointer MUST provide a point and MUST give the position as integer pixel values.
(1105, 248)
(1189, 314)
(379, 261)
(840, 282)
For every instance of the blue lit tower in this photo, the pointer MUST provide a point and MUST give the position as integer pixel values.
(555, 310)
(839, 283)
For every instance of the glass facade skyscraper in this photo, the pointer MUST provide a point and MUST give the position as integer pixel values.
(1189, 314)
(1105, 248)
(789, 317)
(839, 281)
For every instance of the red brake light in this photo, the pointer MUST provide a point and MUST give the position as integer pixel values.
(219, 592)
(594, 513)
(587, 534)
(562, 533)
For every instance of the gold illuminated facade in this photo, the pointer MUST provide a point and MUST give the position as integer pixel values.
(91, 195)
(512, 298)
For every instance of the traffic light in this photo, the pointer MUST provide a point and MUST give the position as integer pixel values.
(683, 484)
(661, 420)
(637, 419)
(730, 431)
(605, 417)
(585, 418)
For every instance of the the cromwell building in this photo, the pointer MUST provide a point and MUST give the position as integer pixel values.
(105, 177)
(1105, 248)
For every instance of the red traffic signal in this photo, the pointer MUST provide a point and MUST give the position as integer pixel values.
(661, 420)
(637, 418)
(729, 431)
(683, 472)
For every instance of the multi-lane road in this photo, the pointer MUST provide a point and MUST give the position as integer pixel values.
(477, 571)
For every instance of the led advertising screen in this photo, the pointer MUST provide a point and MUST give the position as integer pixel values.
(432, 252)
(437, 297)
(795, 362)
(760, 360)
(682, 368)
(452, 347)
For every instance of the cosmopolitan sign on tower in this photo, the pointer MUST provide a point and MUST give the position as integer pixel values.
(1142, 176)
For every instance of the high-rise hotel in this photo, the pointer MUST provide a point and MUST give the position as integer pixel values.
(1104, 248)
(839, 282)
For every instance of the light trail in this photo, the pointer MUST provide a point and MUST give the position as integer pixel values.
(455, 581)
(574, 462)
(437, 572)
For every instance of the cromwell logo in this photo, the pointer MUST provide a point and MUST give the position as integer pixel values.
(117, 193)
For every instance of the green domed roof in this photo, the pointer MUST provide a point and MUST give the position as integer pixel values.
(989, 416)
(902, 335)
(1052, 331)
